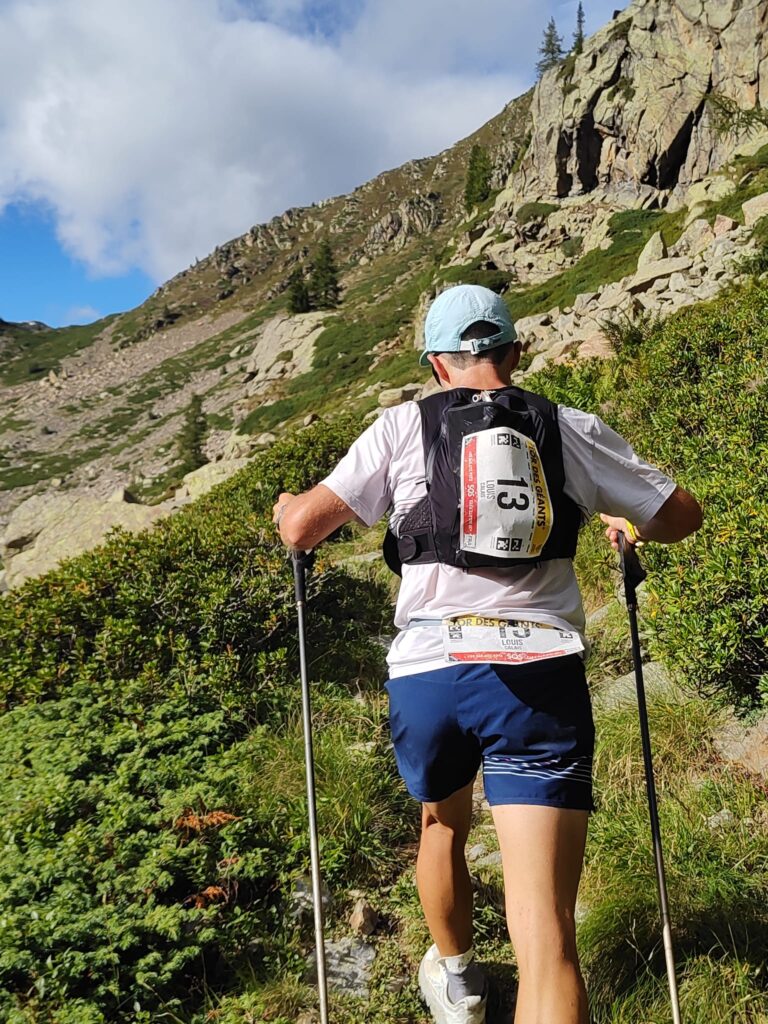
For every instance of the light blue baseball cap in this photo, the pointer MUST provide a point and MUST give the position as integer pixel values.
(454, 310)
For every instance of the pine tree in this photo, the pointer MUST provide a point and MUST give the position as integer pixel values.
(477, 187)
(324, 282)
(551, 49)
(578, 37)
(298, 292)
(192, 436)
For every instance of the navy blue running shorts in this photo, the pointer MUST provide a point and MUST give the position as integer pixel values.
(530, 726)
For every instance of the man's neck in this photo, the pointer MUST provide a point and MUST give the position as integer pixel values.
(482, 378)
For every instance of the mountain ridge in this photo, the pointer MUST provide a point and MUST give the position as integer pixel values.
(100, 407)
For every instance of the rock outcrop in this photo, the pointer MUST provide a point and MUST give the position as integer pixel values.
(417, 215)
(48, 528)
(630, 113)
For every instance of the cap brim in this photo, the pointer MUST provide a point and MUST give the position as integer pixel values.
(424, 359)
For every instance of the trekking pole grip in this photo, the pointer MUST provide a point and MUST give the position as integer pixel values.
(302, 562)
(631, 569)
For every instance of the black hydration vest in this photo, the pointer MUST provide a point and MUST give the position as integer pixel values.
(495, 479)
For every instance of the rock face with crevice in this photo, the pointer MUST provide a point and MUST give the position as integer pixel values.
(631, 113)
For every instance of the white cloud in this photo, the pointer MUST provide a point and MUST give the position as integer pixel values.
(80, 315)
(156, 129)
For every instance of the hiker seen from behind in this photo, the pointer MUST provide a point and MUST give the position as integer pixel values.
(487, 487)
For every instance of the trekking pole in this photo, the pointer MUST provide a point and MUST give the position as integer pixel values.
(302, 562)
(634, 574)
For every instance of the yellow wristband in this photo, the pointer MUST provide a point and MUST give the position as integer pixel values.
(631, 531)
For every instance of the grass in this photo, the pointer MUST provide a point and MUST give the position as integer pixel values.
(30, 354)
(343, 354)
(51, 464)
(716, 875)
(629, 231)
(756, 166)
(534, 211)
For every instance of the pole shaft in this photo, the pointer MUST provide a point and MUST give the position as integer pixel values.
(309, 765)
(653, 809)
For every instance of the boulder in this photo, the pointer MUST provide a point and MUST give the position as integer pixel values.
(697, 237)
(679, 283)
(264, 440)
(363, 920)
(534, 330)
(724, 818)
(658, 683)
(47, 528)
(396, 396)
(122, 494)
(300, 901)
(238, 446)
(755, 209)
(655, 250)
(627, 110)
(709, 190)
(561, 350)
(558, 352)
(595, 346)
(662, 268)
(585, 301)
(613, 296)
(279, 336)
(724, 225)
(348, 966)
(490, 860)
(200, 481)
(744, 745)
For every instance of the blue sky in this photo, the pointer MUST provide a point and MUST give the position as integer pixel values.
(134, 138)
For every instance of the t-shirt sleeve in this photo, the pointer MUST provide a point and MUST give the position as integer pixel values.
(361, 478)
(604, 473)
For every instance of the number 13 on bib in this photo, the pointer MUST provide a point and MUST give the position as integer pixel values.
(505, 508)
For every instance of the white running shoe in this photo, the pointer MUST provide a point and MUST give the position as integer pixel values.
(433, 983)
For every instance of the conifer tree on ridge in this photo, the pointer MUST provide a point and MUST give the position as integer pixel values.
(478, 182)
(298, 292)
(324, 282)
(578, 36)
(551, 49)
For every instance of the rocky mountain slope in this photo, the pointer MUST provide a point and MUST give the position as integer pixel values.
(616, 194)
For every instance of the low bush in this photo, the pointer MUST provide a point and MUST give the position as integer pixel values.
(153, 809)
(691, 394)
(534, 211)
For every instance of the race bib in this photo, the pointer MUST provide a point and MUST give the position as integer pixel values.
(505, 506)
(476, 638)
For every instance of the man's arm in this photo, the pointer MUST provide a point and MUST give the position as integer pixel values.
(679, 516)
(304, 520)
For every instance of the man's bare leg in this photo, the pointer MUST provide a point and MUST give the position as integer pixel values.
(542, 853)
(445, 889)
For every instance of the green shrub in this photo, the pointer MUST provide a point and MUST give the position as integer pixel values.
(152, 762)
(573, 247)
(627, 334)
(692, 396)
(534, 211)
(496, 280)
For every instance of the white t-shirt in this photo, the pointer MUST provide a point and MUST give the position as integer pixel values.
(385, 468)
